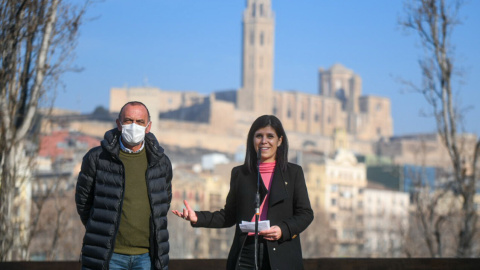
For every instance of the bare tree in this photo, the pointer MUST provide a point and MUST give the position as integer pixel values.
(316, 239)
(59, 230)
(46, 207)
(434, 21)
(36, 42)
(434, 218)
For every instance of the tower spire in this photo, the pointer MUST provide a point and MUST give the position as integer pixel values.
(256, 93)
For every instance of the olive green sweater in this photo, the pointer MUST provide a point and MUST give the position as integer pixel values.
(134, 231)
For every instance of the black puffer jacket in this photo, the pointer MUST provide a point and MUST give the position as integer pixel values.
(99, 197)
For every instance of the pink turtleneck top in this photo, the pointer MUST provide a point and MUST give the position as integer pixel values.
(266, 171)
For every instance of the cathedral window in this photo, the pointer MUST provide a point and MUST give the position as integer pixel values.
(261, 38)
(360, 204)
(327, 88)
(252, 38)
(338, 84)
(253, 10)
(261, 10)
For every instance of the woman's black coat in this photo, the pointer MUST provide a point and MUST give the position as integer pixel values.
(288, 207)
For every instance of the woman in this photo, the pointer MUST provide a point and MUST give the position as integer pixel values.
(284, 200)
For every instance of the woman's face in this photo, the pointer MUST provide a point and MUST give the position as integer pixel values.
(266, 138)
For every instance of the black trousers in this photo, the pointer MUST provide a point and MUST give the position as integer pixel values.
(247, 256)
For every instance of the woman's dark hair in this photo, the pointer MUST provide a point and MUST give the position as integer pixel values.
(282, 151)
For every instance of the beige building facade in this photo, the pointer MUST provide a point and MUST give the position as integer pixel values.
(337, 186)
(203, 190)
(426, 150)
(386, 221)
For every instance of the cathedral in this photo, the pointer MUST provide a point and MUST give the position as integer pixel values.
(224, 117)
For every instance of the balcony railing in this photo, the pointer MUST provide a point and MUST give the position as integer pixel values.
(310, 264)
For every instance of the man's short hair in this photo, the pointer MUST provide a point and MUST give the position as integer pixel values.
(133, 103)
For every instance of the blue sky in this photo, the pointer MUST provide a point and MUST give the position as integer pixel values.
(196, 45)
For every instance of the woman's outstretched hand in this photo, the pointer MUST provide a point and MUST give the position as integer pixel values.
(187, 214)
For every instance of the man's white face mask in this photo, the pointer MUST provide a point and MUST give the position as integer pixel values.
(133, 134)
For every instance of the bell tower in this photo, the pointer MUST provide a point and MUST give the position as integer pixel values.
(256, 93)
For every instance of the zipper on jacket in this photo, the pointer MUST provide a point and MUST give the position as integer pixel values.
(119, 214)
(153, 231)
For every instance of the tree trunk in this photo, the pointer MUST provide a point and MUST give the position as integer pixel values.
(434, 21)
(33, 46)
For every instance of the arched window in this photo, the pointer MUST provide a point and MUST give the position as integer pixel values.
(342, 97)
(261, 38)
(261, 10)
(253, 10)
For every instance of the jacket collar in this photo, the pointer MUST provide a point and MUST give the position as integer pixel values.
(111, 144)
(278, 189)
(110, 141)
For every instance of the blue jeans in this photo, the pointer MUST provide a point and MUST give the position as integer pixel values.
(130, 262)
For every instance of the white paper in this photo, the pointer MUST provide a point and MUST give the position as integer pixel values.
(247, 226)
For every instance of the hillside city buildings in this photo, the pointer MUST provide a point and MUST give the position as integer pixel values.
(356, 169)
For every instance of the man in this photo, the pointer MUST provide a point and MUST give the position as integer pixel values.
(123, 194)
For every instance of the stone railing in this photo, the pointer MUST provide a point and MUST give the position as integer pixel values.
(310, 264)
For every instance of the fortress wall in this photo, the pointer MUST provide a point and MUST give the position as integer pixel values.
(222, 116)
(376, 118)
(155, 99)
(92, 128)
(194, 138)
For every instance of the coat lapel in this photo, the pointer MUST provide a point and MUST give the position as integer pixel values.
(278, 191)
(251, 190)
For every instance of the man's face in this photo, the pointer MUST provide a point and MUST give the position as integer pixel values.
(134, 114)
